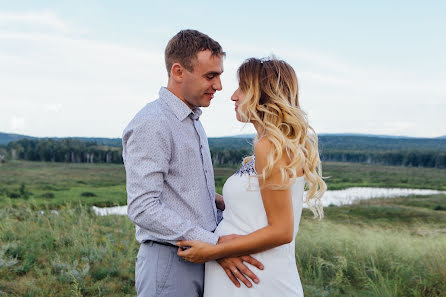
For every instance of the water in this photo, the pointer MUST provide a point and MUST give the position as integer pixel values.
(339, 197)
(116, 210)
(351, 195)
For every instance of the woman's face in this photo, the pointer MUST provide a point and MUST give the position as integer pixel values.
(238, 97)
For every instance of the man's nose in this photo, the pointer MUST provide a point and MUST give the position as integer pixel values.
(217, 84)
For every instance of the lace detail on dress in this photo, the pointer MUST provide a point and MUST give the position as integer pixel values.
(248, 168)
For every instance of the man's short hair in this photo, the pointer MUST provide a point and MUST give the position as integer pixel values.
(184, 47)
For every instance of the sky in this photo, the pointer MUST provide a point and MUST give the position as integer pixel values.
(85, 68)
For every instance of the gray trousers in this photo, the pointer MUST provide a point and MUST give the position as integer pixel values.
(160, 272)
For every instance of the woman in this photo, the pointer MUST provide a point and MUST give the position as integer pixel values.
(264, 198)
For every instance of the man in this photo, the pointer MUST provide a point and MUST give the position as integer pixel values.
(170, 181)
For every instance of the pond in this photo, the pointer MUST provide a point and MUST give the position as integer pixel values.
(338, 197)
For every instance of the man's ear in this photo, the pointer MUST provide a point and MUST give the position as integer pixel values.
(177, 72)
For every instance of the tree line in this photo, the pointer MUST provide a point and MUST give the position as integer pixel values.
(77, 151)
(63, 150)
(412, 158)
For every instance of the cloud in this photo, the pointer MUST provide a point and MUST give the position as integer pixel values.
(87, 87)
(53, 107)
(91, 88)
(325, 69)
(45, 18)
(109, 49)
(17, 123)
(394, 127)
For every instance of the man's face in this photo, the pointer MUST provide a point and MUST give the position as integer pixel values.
(200, 85)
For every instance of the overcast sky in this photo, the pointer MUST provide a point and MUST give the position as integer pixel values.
(84, 68)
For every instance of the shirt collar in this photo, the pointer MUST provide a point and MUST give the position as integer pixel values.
(178, 107)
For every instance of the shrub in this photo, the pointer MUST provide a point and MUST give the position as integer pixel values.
(48, 195)
(24, 193)
(88, 194)
(13, 195)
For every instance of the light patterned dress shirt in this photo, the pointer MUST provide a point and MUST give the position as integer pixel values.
(170, 178)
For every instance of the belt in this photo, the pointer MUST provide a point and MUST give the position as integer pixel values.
(162, 243)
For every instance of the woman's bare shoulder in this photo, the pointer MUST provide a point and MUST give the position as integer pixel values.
(262, 147)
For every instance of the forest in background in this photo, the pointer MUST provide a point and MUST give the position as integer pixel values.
(229, 151)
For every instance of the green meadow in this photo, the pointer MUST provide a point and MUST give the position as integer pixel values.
(52, 244)
(55, 184)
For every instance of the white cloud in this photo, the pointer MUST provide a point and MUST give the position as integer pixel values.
(17, 124)
(91, 88)
(44, 18)
(87, 87)
(323, 69)
(394, 128)
(53, 107)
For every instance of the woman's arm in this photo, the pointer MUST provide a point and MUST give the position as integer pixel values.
(279, 211)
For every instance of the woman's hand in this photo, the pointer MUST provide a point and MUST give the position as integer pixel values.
(196, 251)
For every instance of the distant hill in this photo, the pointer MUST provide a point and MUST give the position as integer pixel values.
(231, 143)
(348, 143)
(444, 136)
(341, 141)
(396, 151)
(5, 138)
(239, 136)
(381, 143)
(365, 135)
(115, 142)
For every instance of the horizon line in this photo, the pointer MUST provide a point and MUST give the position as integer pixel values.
(248, 135)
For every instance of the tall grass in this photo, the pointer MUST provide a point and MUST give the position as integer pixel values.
(71, 252)
(346, 260)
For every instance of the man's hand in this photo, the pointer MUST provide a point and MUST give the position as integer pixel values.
(219, 202)
(196, 251)
(236, 270)
(225, 238)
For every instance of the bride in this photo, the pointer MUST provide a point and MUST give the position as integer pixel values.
(264, 198)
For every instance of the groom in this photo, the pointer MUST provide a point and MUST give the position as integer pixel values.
(170, 180)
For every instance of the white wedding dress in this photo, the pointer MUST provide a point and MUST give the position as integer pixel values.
(245, 214)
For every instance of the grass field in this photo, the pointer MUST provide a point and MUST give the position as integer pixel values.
(54, 184)
(378, 247)
(382, 247)
(345, 175)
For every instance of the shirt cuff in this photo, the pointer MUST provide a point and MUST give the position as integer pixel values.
(204, 235)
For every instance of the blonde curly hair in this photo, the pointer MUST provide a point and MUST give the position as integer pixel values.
(271, 103)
